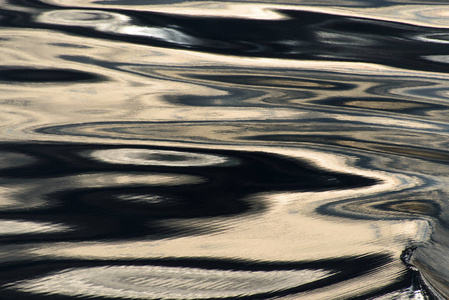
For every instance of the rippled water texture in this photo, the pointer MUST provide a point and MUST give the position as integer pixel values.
(224, 150)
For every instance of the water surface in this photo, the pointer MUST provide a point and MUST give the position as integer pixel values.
(224, 150)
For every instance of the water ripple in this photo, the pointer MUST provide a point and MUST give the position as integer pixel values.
(158, 158)
(151, 282)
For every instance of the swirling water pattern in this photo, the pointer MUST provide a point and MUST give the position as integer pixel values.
(224, 150)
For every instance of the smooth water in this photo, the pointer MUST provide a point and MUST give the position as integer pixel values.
(224, 150)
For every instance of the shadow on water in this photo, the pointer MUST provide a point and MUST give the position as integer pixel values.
(133, 210)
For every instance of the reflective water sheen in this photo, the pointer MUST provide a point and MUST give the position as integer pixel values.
(240, 149)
